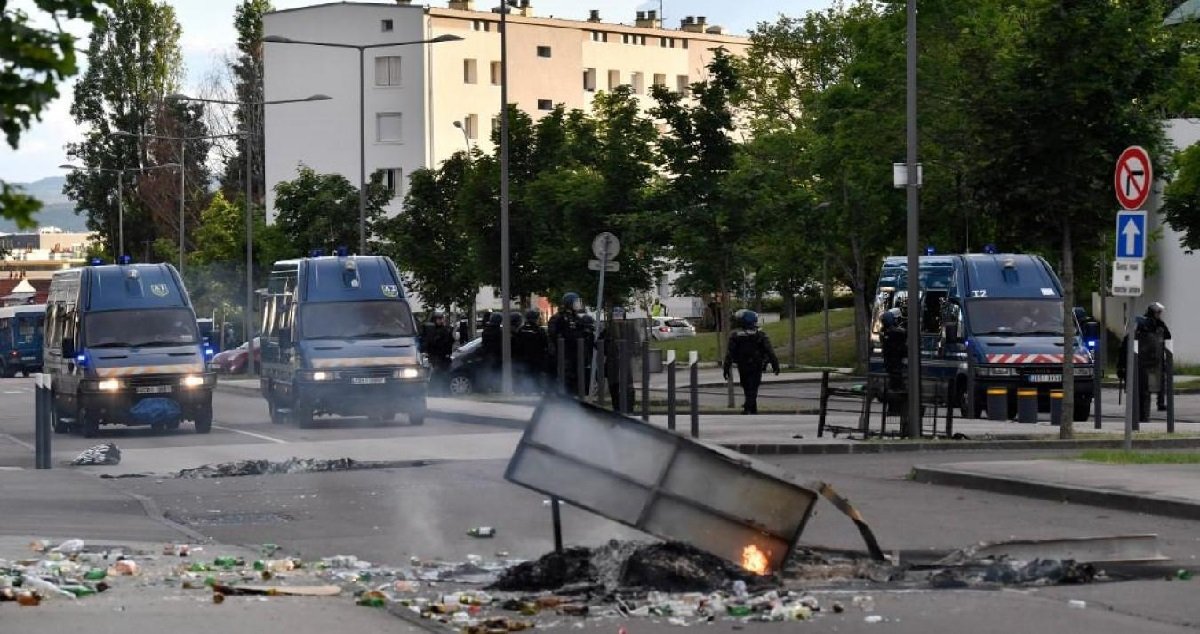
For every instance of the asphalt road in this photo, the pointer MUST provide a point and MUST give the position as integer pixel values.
(389, 515)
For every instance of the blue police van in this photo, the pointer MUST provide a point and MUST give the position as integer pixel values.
(122, 347)
(339, 337)
(21, 339)
(987, 321)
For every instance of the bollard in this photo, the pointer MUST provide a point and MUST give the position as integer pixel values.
(623, 376)
(1056, 403)
(556, 519)
(671, 390)
(43, 421)
(970, 395)
(694, 388)
(1027, 405)
(824, 403)
(1098, 392)
(1169, 387)
(951, 387)
(581, 373)
(562, 366)
(645, 382)
(997, 403)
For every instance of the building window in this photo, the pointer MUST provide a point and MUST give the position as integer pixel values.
(471, 126)
(684, 43)
(387, 71)
(589, 79)
(642, 40)
(614, 79)
(545, 104)
(543, 51)
(389, 127)
(660, 79)
(639, 83)
(393, 179)
(495, 73)
(386, 25)
(599, 36)
(681, 83)
(481, 25)
(624, 38)
(469, 71)
(495, 125)
(662, 41)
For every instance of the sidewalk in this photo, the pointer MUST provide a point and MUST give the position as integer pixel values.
(1169, 490)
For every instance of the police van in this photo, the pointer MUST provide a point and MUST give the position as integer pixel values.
(339, 337)
(988, 320)
(122, 347)
(21, 339)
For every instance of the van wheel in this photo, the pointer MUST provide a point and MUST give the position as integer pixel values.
(87, 423)
(1083, 409)
(278, 417)
(302, 416)
(416, 412)
(204, 419)
(7, 371)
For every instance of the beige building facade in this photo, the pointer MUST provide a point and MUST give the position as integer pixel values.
(423, 102)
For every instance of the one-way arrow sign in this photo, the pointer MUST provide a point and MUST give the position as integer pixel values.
(1131, 235)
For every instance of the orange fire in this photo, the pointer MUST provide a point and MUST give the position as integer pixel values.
(754, 560)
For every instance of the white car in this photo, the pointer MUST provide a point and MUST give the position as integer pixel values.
(664, 328)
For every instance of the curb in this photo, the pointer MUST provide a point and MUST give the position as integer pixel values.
(1107, 498)
(786, 449)
(459, 417)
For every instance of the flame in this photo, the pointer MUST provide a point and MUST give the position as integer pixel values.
(754, 560)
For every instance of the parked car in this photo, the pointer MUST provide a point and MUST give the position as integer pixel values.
(468, 369)
(665, 328)
(234, 361)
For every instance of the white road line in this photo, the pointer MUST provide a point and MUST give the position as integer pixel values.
(18, 441)
(252, 434)
(15, 391)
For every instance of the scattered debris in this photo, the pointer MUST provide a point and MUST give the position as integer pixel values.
(1038, 572)
(106, 454)
(264, 467)
(277, 591)
(1076, 603)
(482, 532)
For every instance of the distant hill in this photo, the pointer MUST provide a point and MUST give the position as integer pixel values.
(57, 211)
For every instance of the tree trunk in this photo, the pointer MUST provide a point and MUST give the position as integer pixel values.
(862, 309)
(1067, 428)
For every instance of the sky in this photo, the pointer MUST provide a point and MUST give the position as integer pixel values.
(208, 36)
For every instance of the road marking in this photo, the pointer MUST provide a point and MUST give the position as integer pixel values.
(18, 441)
(252, 434)
(15, 391)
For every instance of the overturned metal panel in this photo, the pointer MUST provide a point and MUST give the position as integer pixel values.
(661, 482)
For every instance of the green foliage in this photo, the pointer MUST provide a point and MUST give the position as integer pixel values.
(1182, 204)
(247, 71)
(32, 63)
(320, 211)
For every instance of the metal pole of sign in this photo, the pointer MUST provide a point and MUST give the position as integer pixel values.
(599, 361)
(1101, 358)
(645, 382)
(597, 372)
(912, 183)
(581, 369)
(671, 390)
(1132, 402)
(623, 376)
(44, 420)
(694, 388)
(1169, 387)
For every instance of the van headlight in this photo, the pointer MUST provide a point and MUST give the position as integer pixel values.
(406, 373)
(995, 371)
(193, 381)
(321, 375)
(108, 385)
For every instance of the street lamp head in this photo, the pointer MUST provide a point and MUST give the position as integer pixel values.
(278, 39)
(445, 38)
(318, 97)
(68, 166)
(124, 133)
(458, 124)
(178, 97)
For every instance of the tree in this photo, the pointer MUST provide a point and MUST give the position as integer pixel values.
(247, 72)
(708, 231)
(1182, 204)
(32, 63)
(320, 211)
(134, 63)
(431, 239)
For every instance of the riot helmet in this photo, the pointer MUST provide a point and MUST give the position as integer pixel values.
(514, 320)
(495, 319)
(749, 319)
(533, 316)
(1155, 310)
(571, 302)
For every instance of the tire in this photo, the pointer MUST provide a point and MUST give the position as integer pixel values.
(60, 426)
(204, 419)
(278, 417)
(1083, 409)
(86, 423)
(461, 385)
(302, 416)
(7, 371)
(25, 373)
(416, 412)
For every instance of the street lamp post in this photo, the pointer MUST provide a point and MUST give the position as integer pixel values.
(120, 172)
(466, 139)
(914, 259)
(362, 108)
(248, 134)
(505, 288)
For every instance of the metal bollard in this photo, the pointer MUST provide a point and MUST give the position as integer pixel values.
(694, 388)
(623, 376)
(43, 421)
(671, 390)
(562, 366)
(1027, 405)
(1169, 388)
(1098, 392)
(997, 403)
(1056, 405)
(645, 382)
(824, 407)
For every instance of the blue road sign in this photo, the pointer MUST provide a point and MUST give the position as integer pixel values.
(1131, 235)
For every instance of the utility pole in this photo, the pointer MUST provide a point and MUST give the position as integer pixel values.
(506, 384)
(914, 258)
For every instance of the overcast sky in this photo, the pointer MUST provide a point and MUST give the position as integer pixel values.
(208, 35)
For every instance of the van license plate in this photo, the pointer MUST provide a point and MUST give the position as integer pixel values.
(1045, 378)
(154, 389)
(368, 380)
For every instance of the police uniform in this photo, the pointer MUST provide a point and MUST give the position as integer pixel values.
(438, 343)
(750, 349)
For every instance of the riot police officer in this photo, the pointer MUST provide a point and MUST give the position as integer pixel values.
(491, 345)
(587, 334)
(1152, 335)
(437, 343)
(564, 326)
(751, 350)
(530, 350)
(894, 341)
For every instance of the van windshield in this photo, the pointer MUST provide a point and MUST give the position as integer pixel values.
(29, 328)
(137, 328)
(356, 320)
(1016, 317)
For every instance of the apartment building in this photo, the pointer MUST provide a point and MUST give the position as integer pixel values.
(415, 94)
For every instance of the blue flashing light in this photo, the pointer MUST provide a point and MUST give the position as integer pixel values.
(342, 252)
(125, 259)
(95, 261)
(81, 359)
(316, 253)
(1091, 344)
(208, 352)
(930, 250)
(990, 249)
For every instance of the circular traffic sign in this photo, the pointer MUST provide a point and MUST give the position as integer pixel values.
(606, 242)
(1133, 177)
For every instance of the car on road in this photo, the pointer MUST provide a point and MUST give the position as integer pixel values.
(667, 328)
(234, 361)
(468, 369)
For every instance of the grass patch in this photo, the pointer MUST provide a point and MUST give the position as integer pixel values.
(1116, 456)
(808, 352)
